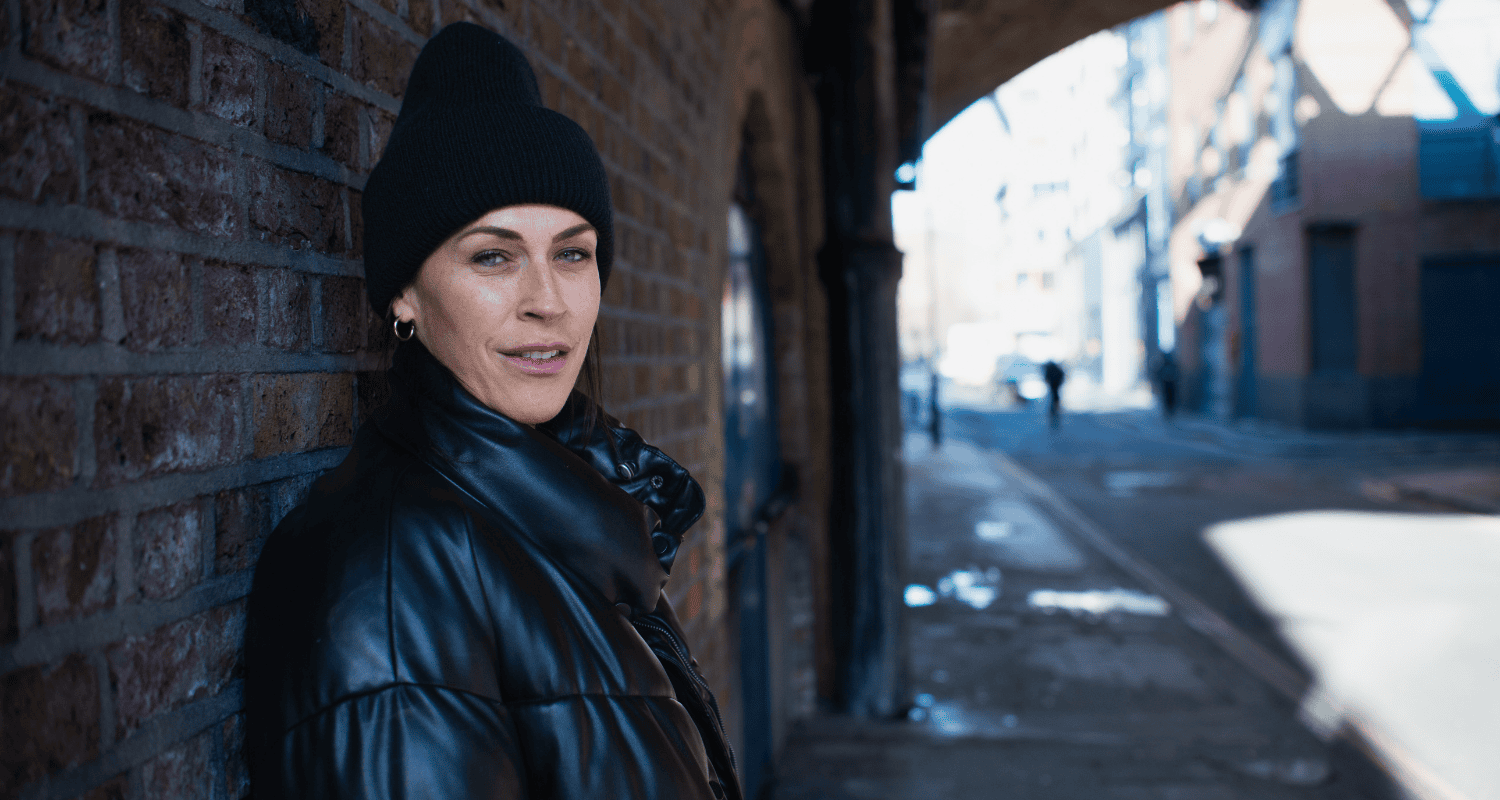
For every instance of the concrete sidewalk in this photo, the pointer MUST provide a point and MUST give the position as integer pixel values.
(1046, 665)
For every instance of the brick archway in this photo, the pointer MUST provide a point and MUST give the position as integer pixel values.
(977, 45)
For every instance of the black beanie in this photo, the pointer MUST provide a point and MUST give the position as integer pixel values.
(472, 137)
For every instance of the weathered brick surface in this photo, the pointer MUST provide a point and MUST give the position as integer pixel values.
(174, 665)
(382, 57)
(140, 172)
(296, 209)
(168, 555)
(231, 74)
(155, 295)
(156, 55)
(229, 310)
(57, 289)
(185, 771)
(236, 769)
(290, 101)
(49, 719)
(37, 144)
(288, 309)
(72, 35)
(343, 319)
(73, 568)
(151, 426)
(38, 435)
(301, 412)
(241, 522)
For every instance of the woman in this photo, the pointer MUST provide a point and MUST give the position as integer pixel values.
(471, 605)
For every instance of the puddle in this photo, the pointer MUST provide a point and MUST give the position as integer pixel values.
(972, 587)
(1129, 483)
(1097, 602)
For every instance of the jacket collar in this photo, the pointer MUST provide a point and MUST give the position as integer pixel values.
(527, 479)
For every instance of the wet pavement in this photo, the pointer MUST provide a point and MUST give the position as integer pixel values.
(1073, 636)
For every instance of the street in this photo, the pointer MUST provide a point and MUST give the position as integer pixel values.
(1072, 635)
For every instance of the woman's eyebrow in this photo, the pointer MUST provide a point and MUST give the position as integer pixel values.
(571, 232)
(503, 233)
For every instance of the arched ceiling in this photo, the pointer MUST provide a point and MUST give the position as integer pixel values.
(977, 45)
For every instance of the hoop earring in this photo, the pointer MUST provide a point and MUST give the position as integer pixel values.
(411, 328)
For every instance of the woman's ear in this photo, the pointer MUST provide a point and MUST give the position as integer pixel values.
(405, 307)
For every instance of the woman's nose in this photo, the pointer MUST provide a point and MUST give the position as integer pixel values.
(541, 297)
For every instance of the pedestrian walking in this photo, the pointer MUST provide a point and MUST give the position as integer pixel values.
(1054, 375)
(472, 604)
(1166, 379)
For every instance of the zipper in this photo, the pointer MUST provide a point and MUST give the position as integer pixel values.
(687, 666)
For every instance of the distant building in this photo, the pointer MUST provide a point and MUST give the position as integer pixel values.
(1335, 171)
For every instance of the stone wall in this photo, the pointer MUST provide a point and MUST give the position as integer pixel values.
(185, 344)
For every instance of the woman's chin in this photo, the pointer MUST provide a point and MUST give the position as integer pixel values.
(533, 407)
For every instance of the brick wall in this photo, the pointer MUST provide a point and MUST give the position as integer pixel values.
(185, 345)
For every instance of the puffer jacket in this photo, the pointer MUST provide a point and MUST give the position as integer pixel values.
(470, 607)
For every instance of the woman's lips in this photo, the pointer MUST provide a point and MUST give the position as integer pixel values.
(539, 360)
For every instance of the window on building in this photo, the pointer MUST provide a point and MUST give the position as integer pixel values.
(1047, 280)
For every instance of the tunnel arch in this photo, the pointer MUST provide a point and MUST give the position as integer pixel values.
(976, 45)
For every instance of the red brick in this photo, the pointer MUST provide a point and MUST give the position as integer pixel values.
(38, 435)
(175, 664)
(72, 35)
(156, 425)
(230, 74)
(228, 304)
(379, 335)
(356, 224)
(169, 550)
(419, 15)
(289, 106)
(49, 720)
(36, 148)
(289, 303)
(296, 209)
(374, 389)
(241, 523)
(57, 290)
(155, 291)
(455, 11)
(381, 124)
(144, 173)
(343, 314)
(341, 120)
(74, 570)
(236, 769)
(382, 58)
(155, 49)
(546, 34)
(302, 411)
(182, 773)
(9, 624)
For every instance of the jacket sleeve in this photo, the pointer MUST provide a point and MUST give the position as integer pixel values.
(403, 742)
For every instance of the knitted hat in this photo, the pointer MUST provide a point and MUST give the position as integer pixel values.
(472, 137)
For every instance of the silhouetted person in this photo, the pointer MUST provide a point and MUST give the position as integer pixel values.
(1166, 378)
(1054, 376)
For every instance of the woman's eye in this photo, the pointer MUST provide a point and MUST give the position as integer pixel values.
(573, 255)
(490, 258)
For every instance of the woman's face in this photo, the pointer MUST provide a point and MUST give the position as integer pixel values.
(507, 304)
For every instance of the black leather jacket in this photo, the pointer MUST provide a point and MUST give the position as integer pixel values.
(469, 607)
